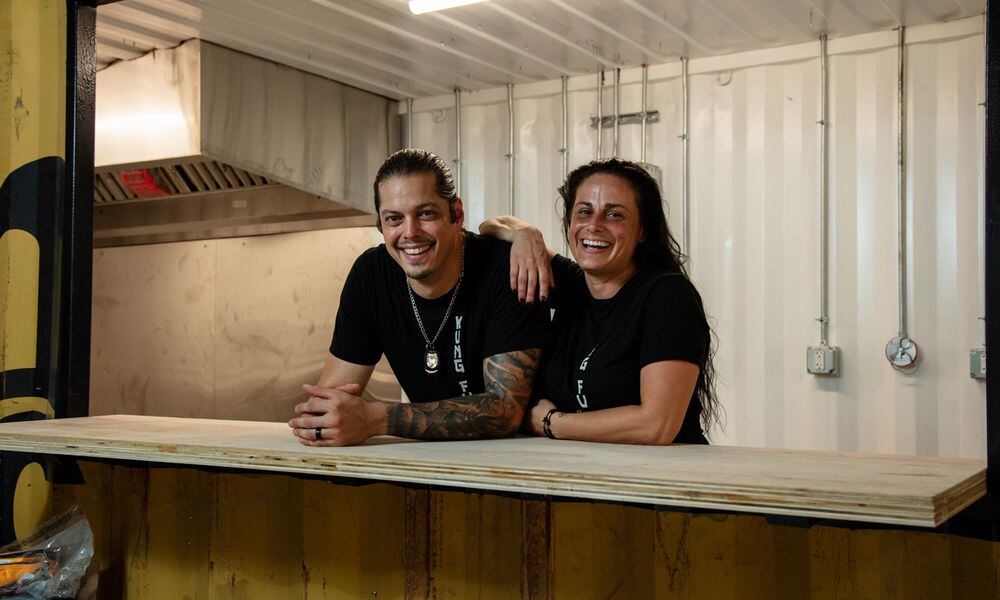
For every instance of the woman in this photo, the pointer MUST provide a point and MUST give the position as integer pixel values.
(629, 359)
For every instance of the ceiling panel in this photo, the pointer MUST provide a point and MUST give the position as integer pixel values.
(379, 46)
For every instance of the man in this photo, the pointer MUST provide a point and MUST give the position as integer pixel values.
(436, 300)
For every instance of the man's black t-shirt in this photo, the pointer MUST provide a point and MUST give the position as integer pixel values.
(376, 317)
(597, 347)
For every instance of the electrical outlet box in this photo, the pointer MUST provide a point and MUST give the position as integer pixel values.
(977, 363)
(822, 360)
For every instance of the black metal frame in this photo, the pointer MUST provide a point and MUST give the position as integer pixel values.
(71, 388)
(992, 199)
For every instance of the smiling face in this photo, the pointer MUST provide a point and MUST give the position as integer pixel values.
(419, 232)
(604, 227)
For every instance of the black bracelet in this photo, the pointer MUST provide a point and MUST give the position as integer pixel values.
(547, 423)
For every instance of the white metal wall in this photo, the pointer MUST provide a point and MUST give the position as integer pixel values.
(754, 153)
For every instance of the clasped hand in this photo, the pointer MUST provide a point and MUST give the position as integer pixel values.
(344, 417)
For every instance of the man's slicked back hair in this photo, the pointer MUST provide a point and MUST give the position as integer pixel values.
(413, 161)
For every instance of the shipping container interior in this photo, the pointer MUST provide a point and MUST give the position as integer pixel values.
(208, 320)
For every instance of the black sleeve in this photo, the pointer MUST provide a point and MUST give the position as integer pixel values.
(568, 279)
(512, 326)
(355, 338)
(676, 327)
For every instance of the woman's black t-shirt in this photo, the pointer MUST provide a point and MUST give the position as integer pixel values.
(597, 348)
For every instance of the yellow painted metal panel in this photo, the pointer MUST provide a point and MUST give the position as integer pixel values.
(180, 512)
(131, 546)
(879, 564)
(475, 546)
(792, 565)
(32, 81)
(497, 545)
(160, 549)
(353, 540)
(975, 566)
(128, 520)
(19, 261)
(32, 500)
(14, 406)
(602, 550)
(32, 126)
(178, 533)
(722, 556)
(258, 539)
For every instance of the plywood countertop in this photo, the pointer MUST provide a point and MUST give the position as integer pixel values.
(876, 488)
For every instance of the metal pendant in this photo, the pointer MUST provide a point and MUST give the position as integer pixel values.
(431, 361)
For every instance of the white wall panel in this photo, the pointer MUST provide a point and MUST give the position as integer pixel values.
(754, 221)
(753, 181)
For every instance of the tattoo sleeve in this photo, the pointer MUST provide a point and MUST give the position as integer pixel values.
(494, 413)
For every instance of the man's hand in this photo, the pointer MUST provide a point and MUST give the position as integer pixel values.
(344, 417)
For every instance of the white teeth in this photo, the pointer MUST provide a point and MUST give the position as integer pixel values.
(415, 251)
(595, 244)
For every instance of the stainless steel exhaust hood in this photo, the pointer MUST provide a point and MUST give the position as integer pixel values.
(199, 141)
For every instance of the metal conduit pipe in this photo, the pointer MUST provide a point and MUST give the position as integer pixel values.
(685, 233)
(510, 147)
(901, 181)
(458, 141)
(565, 126)
(901, 351)
(565, 143)
(823, 359)
(642, 134)
(824, 318)
(409, 122)
(614, 103)
(600, 113)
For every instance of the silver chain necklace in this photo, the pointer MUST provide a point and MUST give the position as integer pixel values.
(431, 361)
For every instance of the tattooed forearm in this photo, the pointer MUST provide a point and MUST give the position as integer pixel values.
(494, 413)
(470, 417)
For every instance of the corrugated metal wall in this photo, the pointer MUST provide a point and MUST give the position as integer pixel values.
(754, 149)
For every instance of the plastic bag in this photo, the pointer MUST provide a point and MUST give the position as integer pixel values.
(50, 563)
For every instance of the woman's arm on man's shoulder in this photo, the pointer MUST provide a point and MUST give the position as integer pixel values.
(530, 259)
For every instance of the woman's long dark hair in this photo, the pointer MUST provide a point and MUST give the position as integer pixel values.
(657, 249)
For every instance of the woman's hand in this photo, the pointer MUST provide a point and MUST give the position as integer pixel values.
(530, 266)
(538, 412)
